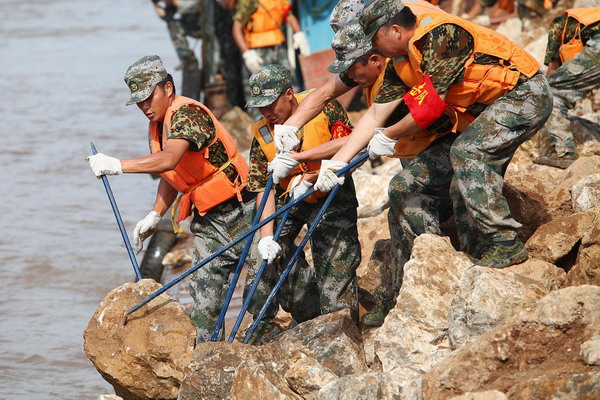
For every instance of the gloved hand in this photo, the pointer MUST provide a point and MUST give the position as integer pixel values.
(327, 179)
(253, 60)
(268, 248)
(286, 137)
(102, 164)
(300, 42)
(381, 145)
(281, 166)
(483, 20)
(145, 228)
(299, 186)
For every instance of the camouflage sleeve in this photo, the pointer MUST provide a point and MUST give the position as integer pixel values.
(335, 112)
(346, 80)
(445, 51)
(244, 10)
(488, 3)
(554, 39)
(192, 123)
(393, 88)
(257, 173)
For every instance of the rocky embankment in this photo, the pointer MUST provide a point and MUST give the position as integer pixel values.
(458, 331)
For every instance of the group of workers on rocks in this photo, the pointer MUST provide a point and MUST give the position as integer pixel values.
(452, 99)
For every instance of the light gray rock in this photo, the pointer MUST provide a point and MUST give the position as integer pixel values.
(399, 384)
(533, 355)
(586, 193)
(334, 341)
(144, 355)
(590, 351)
(415, 333)
(486, 296)
(371, 193)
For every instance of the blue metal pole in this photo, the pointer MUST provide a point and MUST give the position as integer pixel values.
(113, 203)
(240, 264)
(293, 260)
(256, 281)
(238, 239)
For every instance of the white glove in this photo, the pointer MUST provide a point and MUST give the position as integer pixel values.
(299, 186)
(286, 137)
(327, 179)
(268, 248)
(300, 42)
(145, 228)
(281, 166)
(381, 145)
(104, 165)
(253, 60)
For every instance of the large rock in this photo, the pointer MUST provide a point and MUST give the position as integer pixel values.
(333, 339)
(533, 355)
(142, 356)
(554, 241)
(587, 266)
(581, 168)
(402, 383)
(415, 332)
(486, 296)
(223, 370)
(586, 193)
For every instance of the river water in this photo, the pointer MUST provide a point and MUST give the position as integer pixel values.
(62, 65)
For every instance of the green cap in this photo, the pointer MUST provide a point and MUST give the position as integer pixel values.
(349, 44)
(268, 84)
(377, 13)
(345, 12)
(143, 76)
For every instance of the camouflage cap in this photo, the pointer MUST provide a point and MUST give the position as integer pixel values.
(268, 84)
(344, 13)
(377, 13)
(349, 44)
(142, 76)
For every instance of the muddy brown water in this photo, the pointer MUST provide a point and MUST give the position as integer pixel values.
(62, 64)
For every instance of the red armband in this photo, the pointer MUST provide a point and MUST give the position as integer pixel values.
(339, 129)
(424, 103)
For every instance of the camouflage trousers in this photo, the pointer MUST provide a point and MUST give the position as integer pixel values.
(209, 284)
(270, 55)
(420, 198)
(466, 172)
(481, 154)
(570, 83)
(332, 284)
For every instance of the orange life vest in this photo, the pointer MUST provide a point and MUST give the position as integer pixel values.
(482, 83)
(200, 182)
(314, 133)
(585, 16)
(264, 27)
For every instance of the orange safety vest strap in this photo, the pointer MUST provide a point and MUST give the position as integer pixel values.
(184, 198)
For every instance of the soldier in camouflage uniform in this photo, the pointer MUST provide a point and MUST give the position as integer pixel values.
(190, 132)
(185, 18)
(478, 157)
(335, 248)
(570, 82)
(267, 53)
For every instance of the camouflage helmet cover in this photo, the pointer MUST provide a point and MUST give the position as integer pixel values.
(143, 76)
